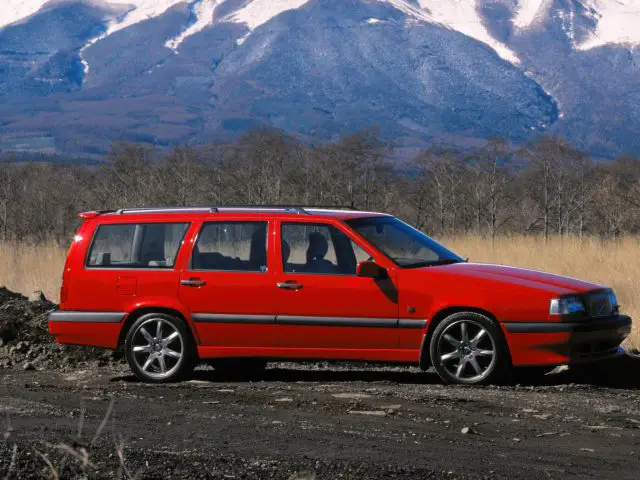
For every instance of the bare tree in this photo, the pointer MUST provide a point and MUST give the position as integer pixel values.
(545, 187)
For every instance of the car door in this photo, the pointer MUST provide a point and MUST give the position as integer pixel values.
(229, 287)
(323, 307)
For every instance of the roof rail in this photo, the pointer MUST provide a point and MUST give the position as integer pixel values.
(295, 208)
(165, 210)
(300, 209)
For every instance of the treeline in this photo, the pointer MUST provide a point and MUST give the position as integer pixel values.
(543, 188)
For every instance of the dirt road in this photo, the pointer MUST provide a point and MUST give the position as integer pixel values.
(334, 421)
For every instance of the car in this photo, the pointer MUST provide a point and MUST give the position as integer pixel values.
(238, 286)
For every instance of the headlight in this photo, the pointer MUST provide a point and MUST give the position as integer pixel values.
(615, 306)
(613, 299)
(566, 306)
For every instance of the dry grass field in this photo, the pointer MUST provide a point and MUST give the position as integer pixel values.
(28, 268)
(616, 263)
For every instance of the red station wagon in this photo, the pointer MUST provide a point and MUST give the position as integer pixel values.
(239, 286)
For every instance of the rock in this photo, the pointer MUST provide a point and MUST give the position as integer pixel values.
(353, 396)
(467, 431)
(379, 413)
(303, 476)
(28, 366)
(37, 297)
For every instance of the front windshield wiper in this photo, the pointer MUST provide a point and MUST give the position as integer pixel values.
(433, 263)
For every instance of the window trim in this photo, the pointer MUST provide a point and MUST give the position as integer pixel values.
(320, 224)
(129, 267)
(204, 224)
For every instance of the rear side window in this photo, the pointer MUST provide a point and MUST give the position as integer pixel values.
(142, 245)
(232, 247)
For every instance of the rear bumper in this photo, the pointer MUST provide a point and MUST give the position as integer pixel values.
(99, 329)
(547, 343)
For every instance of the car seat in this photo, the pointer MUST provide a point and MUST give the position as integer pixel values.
(318, 248)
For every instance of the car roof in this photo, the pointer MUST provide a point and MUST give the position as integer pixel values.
(211, 213)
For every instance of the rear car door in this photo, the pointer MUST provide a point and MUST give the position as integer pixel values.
(228, 285)
(322, 304)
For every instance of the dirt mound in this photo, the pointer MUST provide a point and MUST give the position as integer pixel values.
(21, 319)
(25, 340)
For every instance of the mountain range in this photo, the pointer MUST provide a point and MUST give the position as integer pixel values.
(76, 75)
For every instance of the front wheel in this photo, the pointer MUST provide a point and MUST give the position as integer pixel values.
(159, 348)
(468, 348)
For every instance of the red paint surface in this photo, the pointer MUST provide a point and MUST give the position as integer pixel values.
(505, 293)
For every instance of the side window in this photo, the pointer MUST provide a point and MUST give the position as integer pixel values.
(320, 249)
(231, 246)
(361, 255)
(150, 245)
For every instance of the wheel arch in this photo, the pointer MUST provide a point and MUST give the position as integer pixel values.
(134, 315)
(425, 358)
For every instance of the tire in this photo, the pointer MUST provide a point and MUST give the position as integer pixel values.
(164, 358)
(468, 348)
(239, 369)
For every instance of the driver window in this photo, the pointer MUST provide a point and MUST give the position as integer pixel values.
(319, 249)
(361, 255)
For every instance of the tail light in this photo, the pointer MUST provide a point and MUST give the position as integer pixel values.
(64, 289)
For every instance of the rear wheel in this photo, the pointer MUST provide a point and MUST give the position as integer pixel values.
(468, 348)
(159, 348)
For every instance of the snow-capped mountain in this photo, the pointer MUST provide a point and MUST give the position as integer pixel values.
(77, 74)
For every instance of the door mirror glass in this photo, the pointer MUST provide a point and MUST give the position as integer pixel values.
(369, 269)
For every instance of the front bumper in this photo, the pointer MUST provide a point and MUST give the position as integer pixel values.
(558, 343)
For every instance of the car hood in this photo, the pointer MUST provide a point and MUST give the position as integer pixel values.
(556, 284)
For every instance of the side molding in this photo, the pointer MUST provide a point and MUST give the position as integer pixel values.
(225, 318)
(89, 317)
(310, 320)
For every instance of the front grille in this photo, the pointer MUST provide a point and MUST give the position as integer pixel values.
(599, 304)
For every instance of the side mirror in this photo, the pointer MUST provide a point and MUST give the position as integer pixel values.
(369, 269)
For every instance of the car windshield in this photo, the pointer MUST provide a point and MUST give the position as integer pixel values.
(405, 245)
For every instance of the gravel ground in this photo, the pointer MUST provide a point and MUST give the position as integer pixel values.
(70, 412)
(324, 421)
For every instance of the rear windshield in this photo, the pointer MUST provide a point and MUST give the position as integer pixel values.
(140, 245)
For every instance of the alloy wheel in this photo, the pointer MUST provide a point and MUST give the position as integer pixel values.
(158, 348)
(467, 351)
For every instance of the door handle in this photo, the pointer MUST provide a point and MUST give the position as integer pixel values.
(290, 286)
(193, 282)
